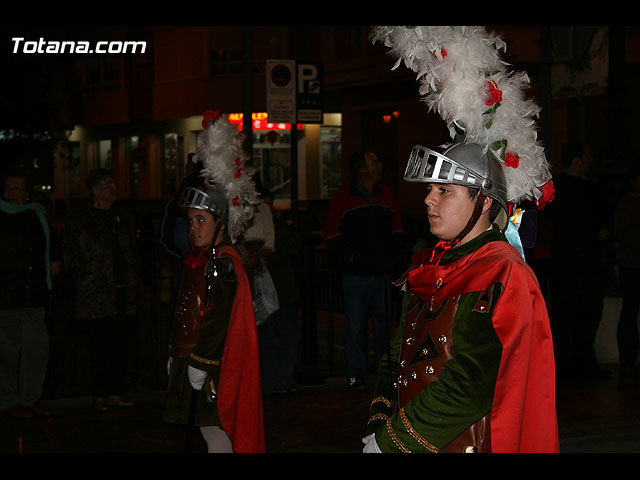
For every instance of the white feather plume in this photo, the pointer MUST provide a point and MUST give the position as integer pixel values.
(454, 66)
(219, 148)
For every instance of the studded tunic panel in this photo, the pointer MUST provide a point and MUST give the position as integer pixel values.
(426, 346)
(186, 325)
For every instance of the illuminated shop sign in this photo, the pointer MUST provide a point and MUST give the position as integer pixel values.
(260, 122)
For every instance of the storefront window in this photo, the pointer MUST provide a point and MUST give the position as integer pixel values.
(272, 162)
(104, 154)
(330, 161)
(135, 159)
(170, 157)
(71, 163)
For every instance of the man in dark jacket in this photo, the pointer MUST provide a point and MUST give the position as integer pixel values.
(279, 334)
(362, 228)
(578, 265)
(27, 263)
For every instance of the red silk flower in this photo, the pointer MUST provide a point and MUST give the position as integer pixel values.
(548, 194)
(494, 93)
(209, 117)
(511, 160)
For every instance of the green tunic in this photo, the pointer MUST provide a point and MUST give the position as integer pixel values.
(205, 353)
(463, 393)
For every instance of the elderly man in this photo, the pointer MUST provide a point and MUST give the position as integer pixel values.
(100, 254)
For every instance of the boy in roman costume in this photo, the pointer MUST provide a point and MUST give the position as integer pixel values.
(214, 378)
(472, 367)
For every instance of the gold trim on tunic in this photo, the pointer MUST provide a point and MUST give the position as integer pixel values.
(377, 416)
(421, 440)
(384, 400)
(395, 438)
(205, 360)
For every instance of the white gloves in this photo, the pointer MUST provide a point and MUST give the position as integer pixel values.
(370, 444)
(196, 377)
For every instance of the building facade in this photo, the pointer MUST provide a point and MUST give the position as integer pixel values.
(139, 113)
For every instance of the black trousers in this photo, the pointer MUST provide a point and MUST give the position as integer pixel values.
(627, 332)
(109, 339)
(577, 304)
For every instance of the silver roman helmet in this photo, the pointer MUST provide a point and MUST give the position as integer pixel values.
(465, 164)
(212, 199)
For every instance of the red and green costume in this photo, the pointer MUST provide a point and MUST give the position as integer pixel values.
(473, 353)
(222, 340)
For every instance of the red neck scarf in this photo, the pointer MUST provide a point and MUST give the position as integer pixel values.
(438, 251)
(196, 258)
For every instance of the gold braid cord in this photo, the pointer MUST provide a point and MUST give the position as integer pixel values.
(377, 416)
(204, 360)
(407, 425)
(395, 438)
(379, 399)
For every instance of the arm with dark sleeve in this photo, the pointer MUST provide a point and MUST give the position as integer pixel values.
(288, 242)
(462, 395)
(396, 222)
(76, 258)
(333, 236)
(383, 394)
(55, 249)
(209, 347)
(133, 254)
(626, 227)
(398, 237)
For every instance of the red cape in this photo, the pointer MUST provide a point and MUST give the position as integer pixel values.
(239, 389)
(523, 417)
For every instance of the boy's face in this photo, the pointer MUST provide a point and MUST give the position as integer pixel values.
(449, 208)
(202, 227)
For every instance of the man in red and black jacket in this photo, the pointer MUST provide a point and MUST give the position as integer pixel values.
(363, 230)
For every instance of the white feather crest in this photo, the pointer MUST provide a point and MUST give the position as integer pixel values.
(219, 148)
(455, 66)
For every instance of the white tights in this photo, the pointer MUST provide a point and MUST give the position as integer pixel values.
(217, 440)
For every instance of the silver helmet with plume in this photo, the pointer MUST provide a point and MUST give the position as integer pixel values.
(229, 193)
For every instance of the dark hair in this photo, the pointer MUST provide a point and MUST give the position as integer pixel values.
(16, 172)
(571, 150)
(495, 206)
(95, 177)
(358, 160)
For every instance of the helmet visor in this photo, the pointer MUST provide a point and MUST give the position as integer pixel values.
(193, 198)
(209, 201)
(426, 165)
